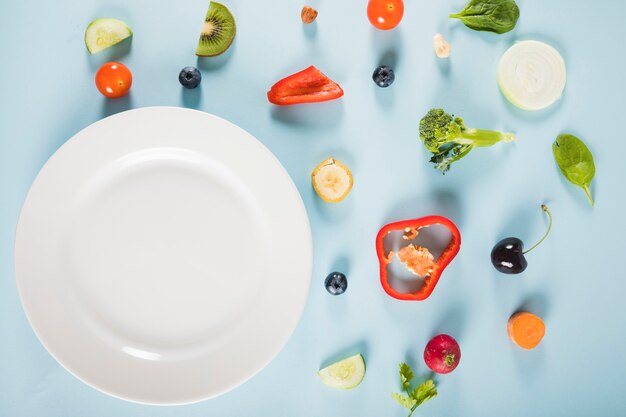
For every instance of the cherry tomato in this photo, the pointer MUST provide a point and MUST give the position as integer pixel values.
(385, 14)
(114, 80)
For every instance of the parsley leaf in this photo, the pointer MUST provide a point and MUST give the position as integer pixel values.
(414, 397)
(424, 392)
(406, 375)
(403, 400)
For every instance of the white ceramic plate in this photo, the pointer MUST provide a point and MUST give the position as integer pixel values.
(163, 255)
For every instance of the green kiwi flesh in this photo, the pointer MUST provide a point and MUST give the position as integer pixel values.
(218, 31)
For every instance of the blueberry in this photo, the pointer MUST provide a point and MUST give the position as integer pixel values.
(336, 283)
(383, 76)
(190, 77)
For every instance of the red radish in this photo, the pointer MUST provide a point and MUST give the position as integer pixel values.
(442, 354)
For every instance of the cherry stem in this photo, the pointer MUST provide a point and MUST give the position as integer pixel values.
(547, 210)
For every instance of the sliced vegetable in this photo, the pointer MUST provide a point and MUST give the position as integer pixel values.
(104, 33)
(345, 374)
(508, 255)
(532, 75)
(575, 161)
(332, 180)
(442, 354)
(449, 140)
(306, 86)
(498, 16)
(526, 329)
(413, 397)
(417, 259)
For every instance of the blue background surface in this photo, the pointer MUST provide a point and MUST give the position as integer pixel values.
(575, 280)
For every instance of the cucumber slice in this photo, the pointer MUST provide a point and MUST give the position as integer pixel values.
(103, 33)
(345, 374)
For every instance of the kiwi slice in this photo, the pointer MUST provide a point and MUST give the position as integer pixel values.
(218, 31)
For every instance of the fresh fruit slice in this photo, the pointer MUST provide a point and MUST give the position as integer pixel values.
(526, 329)
(532, 75)
(332, 180)
(442, 354)
(345, 374)
(103, 33)
(218, 31)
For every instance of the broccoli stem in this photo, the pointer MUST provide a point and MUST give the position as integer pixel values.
(481, 138)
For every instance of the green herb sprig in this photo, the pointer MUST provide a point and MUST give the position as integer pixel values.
(413, 397)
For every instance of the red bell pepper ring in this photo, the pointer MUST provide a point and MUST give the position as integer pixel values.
(306, 86)
(409, 227)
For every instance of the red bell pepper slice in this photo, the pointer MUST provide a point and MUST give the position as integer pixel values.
(409, 227)
(306, 86)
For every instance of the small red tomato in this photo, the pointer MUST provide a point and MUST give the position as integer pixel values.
(114, 80)
(385, 14)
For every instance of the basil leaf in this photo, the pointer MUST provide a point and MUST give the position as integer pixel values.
(575, 161)
(499, 16)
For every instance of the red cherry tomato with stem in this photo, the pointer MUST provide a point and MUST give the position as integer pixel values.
(114, 80)
(385, 14)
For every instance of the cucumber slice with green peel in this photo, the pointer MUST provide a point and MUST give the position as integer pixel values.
(104, 33)
(345, 374)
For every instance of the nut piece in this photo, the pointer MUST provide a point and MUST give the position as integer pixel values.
(308, 14)
(442, 48)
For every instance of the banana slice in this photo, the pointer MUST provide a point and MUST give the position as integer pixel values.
(332, 180)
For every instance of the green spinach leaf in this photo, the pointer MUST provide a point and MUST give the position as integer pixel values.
(575, 161)
(499, 16)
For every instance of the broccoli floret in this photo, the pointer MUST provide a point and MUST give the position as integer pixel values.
(447, 138)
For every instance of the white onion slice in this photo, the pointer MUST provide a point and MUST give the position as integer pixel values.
(531, 75)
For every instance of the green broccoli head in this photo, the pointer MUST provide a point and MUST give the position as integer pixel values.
(447, 138)
(437, 127)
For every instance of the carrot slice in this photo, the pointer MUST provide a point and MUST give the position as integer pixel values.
(526, 329)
